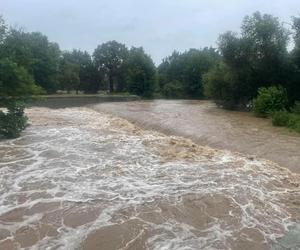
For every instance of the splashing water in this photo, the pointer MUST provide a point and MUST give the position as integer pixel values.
(79, 179)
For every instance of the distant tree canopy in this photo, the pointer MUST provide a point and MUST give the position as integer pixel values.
(16, 82)
(258, 57)
(16, 86)
(110, 59)
(126, 70)
(254, 62)
(36, 54)
(231, 74)
(184, 71)
(293, 85)
(3, 29)
(80, 62)
(69, 76)
(140, 73)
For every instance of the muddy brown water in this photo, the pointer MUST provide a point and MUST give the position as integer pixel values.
(206, 124)
(82, 179)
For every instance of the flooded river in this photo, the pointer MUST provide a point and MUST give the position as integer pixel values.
(82, 179)
(206, 124)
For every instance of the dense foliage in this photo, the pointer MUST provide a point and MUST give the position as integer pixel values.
(78, 65)
(13, 122)
(110, 59)
(244, 70)
(15, 82)
(140, 73)
(270, 100)
(36, 54)
(280, 118)
(258, 57)
(16, 86)
(286, 119)
(183, 72)
(231, 75)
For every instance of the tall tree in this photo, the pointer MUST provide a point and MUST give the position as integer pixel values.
(69, 76)
(140, 73)
(110, 58)
(34, 52)
(256, 58)
(294, 83)
(90, 78)
(185, 71)
(3, 29)
(16, 86)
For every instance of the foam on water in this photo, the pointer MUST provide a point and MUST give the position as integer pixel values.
(81, 179)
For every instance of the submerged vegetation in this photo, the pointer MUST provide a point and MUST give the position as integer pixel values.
(273, 102)
(270, 100)
(290, 119)
(253, 68)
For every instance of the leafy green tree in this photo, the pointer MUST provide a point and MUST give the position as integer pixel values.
(270, 100)
(195, 64)
(140, 72)
(293, 86)
(34, 52)
(219, 85)
(3, 29)
(14, 121)
(110, 58)
(268, 40)
(173, 89)
(15, 81)
(16, 87)
(256, 58)
(69, 76)
(186, 69)
(90, 78)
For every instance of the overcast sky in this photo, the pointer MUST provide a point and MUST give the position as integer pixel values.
(160, 26)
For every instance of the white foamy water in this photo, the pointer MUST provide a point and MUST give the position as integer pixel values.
(78, 179)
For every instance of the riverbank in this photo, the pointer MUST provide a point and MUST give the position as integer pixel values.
(206, 124)
(72, 100)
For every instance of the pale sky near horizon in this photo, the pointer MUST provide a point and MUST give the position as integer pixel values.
(160, 26)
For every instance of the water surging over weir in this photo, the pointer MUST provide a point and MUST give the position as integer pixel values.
(79, 179)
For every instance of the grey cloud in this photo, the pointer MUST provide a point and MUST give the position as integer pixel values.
(160, 26)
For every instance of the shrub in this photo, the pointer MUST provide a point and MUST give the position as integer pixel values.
(173, 89)
(296, 108)
(13, 121)
(294, 122)
(280, 118)
(270, 100)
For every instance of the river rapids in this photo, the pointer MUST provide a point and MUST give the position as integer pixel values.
(81, 179)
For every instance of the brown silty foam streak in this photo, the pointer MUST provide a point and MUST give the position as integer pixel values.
(80, 179)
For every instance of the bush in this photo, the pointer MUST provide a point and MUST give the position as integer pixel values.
(270, 100)
(280, 118)
(173, 89)
(13, 121)
(217, 85)
(296, 108)
(294, 122)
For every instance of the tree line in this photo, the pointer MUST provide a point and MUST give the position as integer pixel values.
(111, 67)
(259, 56)
(231, 74)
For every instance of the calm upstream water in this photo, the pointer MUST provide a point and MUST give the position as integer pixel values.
(82, 179)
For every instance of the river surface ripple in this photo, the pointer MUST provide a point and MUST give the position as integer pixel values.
(80, 179)
(206, 124)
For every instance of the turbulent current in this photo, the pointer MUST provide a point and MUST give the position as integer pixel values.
(81, 179)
